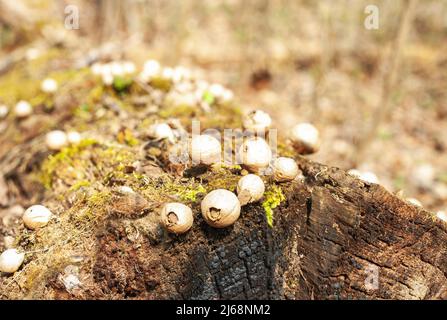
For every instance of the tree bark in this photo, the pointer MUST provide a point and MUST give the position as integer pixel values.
(336, 237)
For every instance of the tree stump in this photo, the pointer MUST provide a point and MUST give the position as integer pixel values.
(334, 237)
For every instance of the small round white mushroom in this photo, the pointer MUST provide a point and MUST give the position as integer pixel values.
(205, 149)
(220, 208)
(442, 215)
(415, 202)
(107, 78)
(180, 73)
(96, 68)
(33, 53)
(49, 85)
(255, 154)
(151, 68)
(366, 176)
(4, 110)
(176, 217)
(56, 140)
(285, 169)
(11, 260)
(369, 176)
(227, 95)
(257, 121)
(161, 131)
(125, 190)
(117, 69)
(23, 109)
(36, 216)
(74, 137)
(216, 90)
(305, 138)
(423, 176)
(250, 188)
(129, 67)
(167, 73)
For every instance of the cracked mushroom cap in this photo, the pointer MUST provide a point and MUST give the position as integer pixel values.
(220, 208)
(250, 188)
(176, 217)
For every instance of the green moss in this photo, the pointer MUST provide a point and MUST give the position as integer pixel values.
(121, 84)
(208, 97)
(87, 161)
(161, 84)
(126, 136)
(79, 185)
(273, 198)
(178, 111)
(63, 158)
(184, 191)
(189, 194)
(285, 150)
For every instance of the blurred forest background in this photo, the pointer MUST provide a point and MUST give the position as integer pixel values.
(378, 97)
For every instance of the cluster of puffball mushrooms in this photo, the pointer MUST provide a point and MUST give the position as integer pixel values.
(220, 208)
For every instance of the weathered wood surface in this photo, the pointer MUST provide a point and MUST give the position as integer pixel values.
(335, 237)
(331, 237)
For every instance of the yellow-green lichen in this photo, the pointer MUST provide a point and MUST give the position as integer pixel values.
(87, 161)
(80, 184)
(189, 194)
(272, 199)
(64, 158)
(121, 84)
(126, 137)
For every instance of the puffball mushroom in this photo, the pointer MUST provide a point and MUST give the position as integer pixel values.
(107, 78)
(250, 188)
(227, 95)
(129, 67)
(216, 90)
(305, 138)
(96, 68)
(285, 169)
(415, 202)
(369, 176)
(117, 69)
(23, 109)
(176, 217)
(257, 121)
(56, 140)
(11, 260)
(49, 85)
(167, 73)
(220, 208)
(180, 73)
(161, 131)
(442, 215)
(74, 137)
(205, 149)
(151, 68)
(3, 111)
(36, 216)
(255, 154)
(125, 190)
(423, 176)
(366, 176)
